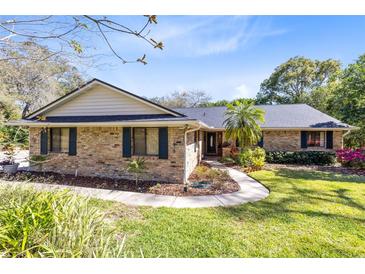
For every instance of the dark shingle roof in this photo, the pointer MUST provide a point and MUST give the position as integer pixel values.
(276, 116)
(110, 118)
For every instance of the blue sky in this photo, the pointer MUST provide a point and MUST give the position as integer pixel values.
(226, 56)
(229, 56)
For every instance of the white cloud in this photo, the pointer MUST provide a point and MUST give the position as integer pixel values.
(243, 91)
(195, 36)
(192, 36)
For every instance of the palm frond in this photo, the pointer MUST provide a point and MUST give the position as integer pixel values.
(242, 122)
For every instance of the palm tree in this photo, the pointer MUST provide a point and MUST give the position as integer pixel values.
(242, 122)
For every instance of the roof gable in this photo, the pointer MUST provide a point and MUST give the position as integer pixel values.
(99, 98)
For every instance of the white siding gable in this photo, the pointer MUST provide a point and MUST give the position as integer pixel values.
(101, 100)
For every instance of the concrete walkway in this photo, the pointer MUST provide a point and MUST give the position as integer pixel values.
(250, 191)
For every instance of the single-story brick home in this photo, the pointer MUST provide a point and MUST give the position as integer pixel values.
(96, 129)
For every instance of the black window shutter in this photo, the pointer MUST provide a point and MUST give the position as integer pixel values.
(163, 143)
(44, 142)
(261, 142)
(303, 139)
(329, 139)
(127, 148)
(72, 141)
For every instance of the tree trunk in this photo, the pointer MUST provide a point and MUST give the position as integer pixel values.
(25, 110)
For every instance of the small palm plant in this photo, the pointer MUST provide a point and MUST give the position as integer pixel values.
(242, 122)
(137, 167)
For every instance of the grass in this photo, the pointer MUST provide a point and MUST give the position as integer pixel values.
(53, 224)
(307, 214)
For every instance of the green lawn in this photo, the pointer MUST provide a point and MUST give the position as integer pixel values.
(307, 214)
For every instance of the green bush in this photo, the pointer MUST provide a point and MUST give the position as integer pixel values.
(301, 157)
(202, 172)
(52, 224)
(244, 158)
(14, 135)
(252, 158)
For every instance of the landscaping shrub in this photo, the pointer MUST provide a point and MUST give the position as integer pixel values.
(250, 158)
(203, 172)
(351, 157)
(258, 158)
(217, 177)
(52, 224)
(301, 157)
(244, 158)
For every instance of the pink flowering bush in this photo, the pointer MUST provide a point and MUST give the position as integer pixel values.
(351, 157)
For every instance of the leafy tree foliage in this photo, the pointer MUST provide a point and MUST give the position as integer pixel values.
(323, 85)
(193, 98)
(242, 122)
(32, 75)
(298, 81)
(221, 103)
(348, 101)
(9, 110)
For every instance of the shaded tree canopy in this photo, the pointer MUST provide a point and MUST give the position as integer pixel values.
(33, 76)
(348, 101)
(297, 80)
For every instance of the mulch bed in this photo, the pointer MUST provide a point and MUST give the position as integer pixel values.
(154, 187)
(335, 169)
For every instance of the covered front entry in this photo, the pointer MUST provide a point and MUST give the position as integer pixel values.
(212, 143)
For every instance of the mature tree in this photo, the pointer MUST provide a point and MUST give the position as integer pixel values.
(77, 35)
(10, 110)
(242, 122)
(348, 101)
(34, 76)
(221, 103)
(178, 99)
(300, 80)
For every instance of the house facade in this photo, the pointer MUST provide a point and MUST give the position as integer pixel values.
(98, 129)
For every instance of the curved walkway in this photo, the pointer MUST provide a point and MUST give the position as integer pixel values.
(250, 191)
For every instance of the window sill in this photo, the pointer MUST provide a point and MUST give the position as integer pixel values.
(152, 157)
(316, 149)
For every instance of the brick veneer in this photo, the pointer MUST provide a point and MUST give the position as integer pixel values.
(99, 153)
(193, 153)
(289, 140)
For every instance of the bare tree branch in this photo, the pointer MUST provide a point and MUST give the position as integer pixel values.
(69, 33)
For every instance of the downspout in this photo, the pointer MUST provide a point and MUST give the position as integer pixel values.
(347, 132)
(185, 159)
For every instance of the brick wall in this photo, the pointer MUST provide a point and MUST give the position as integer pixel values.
(99, 153)
(289, 140)
(193, 153)
(337, 140)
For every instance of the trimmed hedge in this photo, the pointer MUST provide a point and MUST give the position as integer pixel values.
(301, 157)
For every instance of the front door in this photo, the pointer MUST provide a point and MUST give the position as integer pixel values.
(211, 143)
